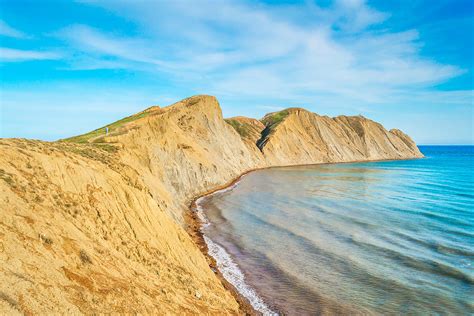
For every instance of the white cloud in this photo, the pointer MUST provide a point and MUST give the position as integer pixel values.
(15, 55)
(94, 42)
(7, 30)
(243, 49)
(355, 15)
(333, 59)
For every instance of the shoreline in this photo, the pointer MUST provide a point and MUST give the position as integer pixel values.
(193, 228)
(194, 225)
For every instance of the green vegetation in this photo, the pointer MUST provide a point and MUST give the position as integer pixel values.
(106, 147)
(240, 128)
(95, 135)
(99, 152)
(273, 119)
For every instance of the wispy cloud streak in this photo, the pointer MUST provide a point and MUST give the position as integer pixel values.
(235, 48)
(17, 55)
(7, 30)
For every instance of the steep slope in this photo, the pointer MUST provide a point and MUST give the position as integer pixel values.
(184, 151)
(94, 227)
(271, 121)
(116, 128)
(302, 137)
(80, 232)
(94, 224)
(250, 130)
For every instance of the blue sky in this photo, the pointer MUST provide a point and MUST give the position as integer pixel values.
(68, 67)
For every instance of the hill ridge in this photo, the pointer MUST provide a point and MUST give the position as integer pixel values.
(95, 227)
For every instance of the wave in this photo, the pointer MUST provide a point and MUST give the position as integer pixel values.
(390, 242)
(417, 263)
(234, 276)
(200, 211)
(226, 265)
(434, 246)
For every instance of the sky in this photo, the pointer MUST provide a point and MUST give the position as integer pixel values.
(68, 67)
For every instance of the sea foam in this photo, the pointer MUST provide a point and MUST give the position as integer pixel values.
(226, 265)
(234, 275)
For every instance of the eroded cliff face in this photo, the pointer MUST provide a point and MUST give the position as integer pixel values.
(303, 137)
(95, 223)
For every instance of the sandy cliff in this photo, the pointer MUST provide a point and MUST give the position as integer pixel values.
(95, 223)
(303, 137)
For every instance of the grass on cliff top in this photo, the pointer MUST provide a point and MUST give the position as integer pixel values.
(242, 129)
(273, 119)
(96, 151)
(95, 134)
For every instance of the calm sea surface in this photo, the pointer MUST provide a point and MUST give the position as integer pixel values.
(384, 237)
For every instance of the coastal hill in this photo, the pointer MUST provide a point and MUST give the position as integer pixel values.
(96, 223)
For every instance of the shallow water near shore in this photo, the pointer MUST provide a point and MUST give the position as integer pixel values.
(379, 237)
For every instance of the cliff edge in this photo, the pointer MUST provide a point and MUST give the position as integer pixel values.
(94, 223)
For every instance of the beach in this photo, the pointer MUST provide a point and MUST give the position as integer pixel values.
(224, 228)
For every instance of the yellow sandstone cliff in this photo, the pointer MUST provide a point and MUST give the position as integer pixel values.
(95, 223)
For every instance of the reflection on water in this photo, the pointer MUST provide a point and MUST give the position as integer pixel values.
(382, 237)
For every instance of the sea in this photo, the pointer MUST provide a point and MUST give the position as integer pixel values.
(388, 237)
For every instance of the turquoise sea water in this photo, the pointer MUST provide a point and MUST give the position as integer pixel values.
(393, 237)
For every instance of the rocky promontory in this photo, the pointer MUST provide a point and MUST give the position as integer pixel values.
(95, 223)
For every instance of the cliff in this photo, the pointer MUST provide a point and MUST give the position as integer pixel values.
(94, 223)
(297, 136)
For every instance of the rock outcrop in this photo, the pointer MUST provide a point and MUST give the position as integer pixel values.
(94, 224)
(302, 137)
